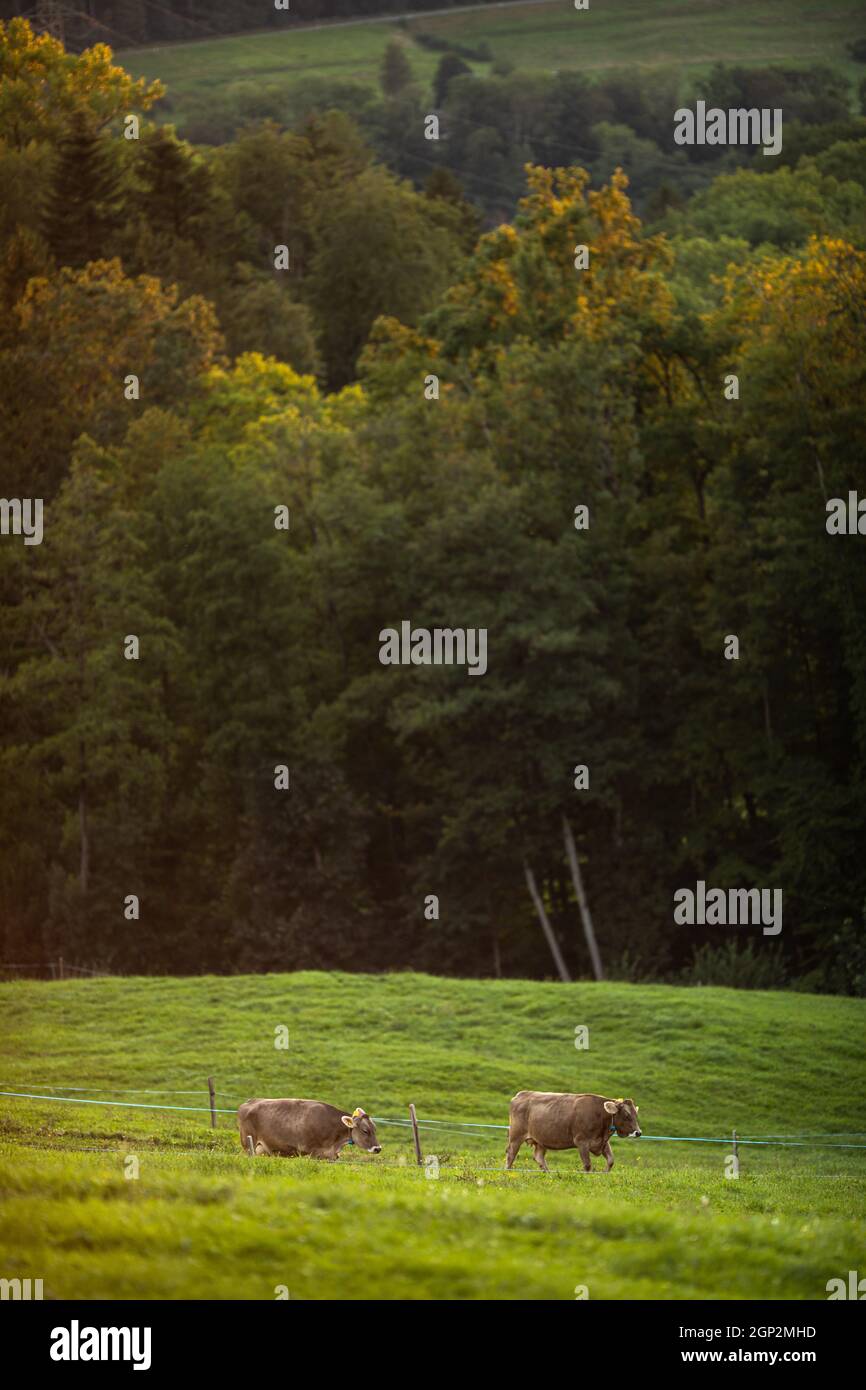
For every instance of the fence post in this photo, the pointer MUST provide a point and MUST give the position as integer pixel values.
(413, 1118)
(212, 1102)
(735, 1149)
(60, 967)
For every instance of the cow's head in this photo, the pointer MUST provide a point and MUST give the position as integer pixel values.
(363, 1131)
(623, 1117)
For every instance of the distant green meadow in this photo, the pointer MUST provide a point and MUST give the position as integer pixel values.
(687, 36)
(203, 1220)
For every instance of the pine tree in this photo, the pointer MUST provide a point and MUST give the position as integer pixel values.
(81, 213)
(451, 65)
(395, 72)
(176, 187)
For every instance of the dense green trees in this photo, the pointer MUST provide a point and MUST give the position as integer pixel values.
(451, 65)
(43, 85)
(74, 340)
(493, 121)
(379, 249)
(395, 72)
(74, 189)
(82, 206)
(435, 412)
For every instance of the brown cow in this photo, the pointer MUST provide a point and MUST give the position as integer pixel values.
(557, 1120)
(313, 1128)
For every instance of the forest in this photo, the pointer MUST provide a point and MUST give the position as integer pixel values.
(281, 392)
(498, 119)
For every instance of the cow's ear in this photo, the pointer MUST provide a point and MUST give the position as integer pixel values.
(611, 1107)
(359, 1114)
(348, 1121)
(636, 1109)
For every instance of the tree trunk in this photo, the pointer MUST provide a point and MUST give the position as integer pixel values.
(588, 931)
(84, 857)
(545, 924)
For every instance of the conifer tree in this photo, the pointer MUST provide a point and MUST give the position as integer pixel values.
(395, 72)
(175, 186)
(81, 213)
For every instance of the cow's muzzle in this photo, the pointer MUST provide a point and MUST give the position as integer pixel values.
(635, 1134)
(376, 1149)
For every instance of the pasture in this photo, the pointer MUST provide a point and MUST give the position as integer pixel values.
(202, 1221)
(542, 36)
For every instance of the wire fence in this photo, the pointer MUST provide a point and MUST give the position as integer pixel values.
(466, 1128)
(52, 970)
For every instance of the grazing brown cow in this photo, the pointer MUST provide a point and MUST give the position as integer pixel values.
(313, 1128)
(557, 1120)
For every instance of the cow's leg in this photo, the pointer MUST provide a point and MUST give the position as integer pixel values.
(514, 1142)
(538, 1153)
(262, 1149)
(583, 1149)
(608, 1153)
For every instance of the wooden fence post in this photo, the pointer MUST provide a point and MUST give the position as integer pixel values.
(413, 1118)
(212, 1102)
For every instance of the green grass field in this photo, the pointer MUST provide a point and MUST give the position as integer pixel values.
(687, 35)
(201, 1220)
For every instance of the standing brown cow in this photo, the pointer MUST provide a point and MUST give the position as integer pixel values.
(293, 1128)
(557, 1120)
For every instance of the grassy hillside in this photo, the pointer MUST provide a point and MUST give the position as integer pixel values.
(203, 1221)
(689, 35)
